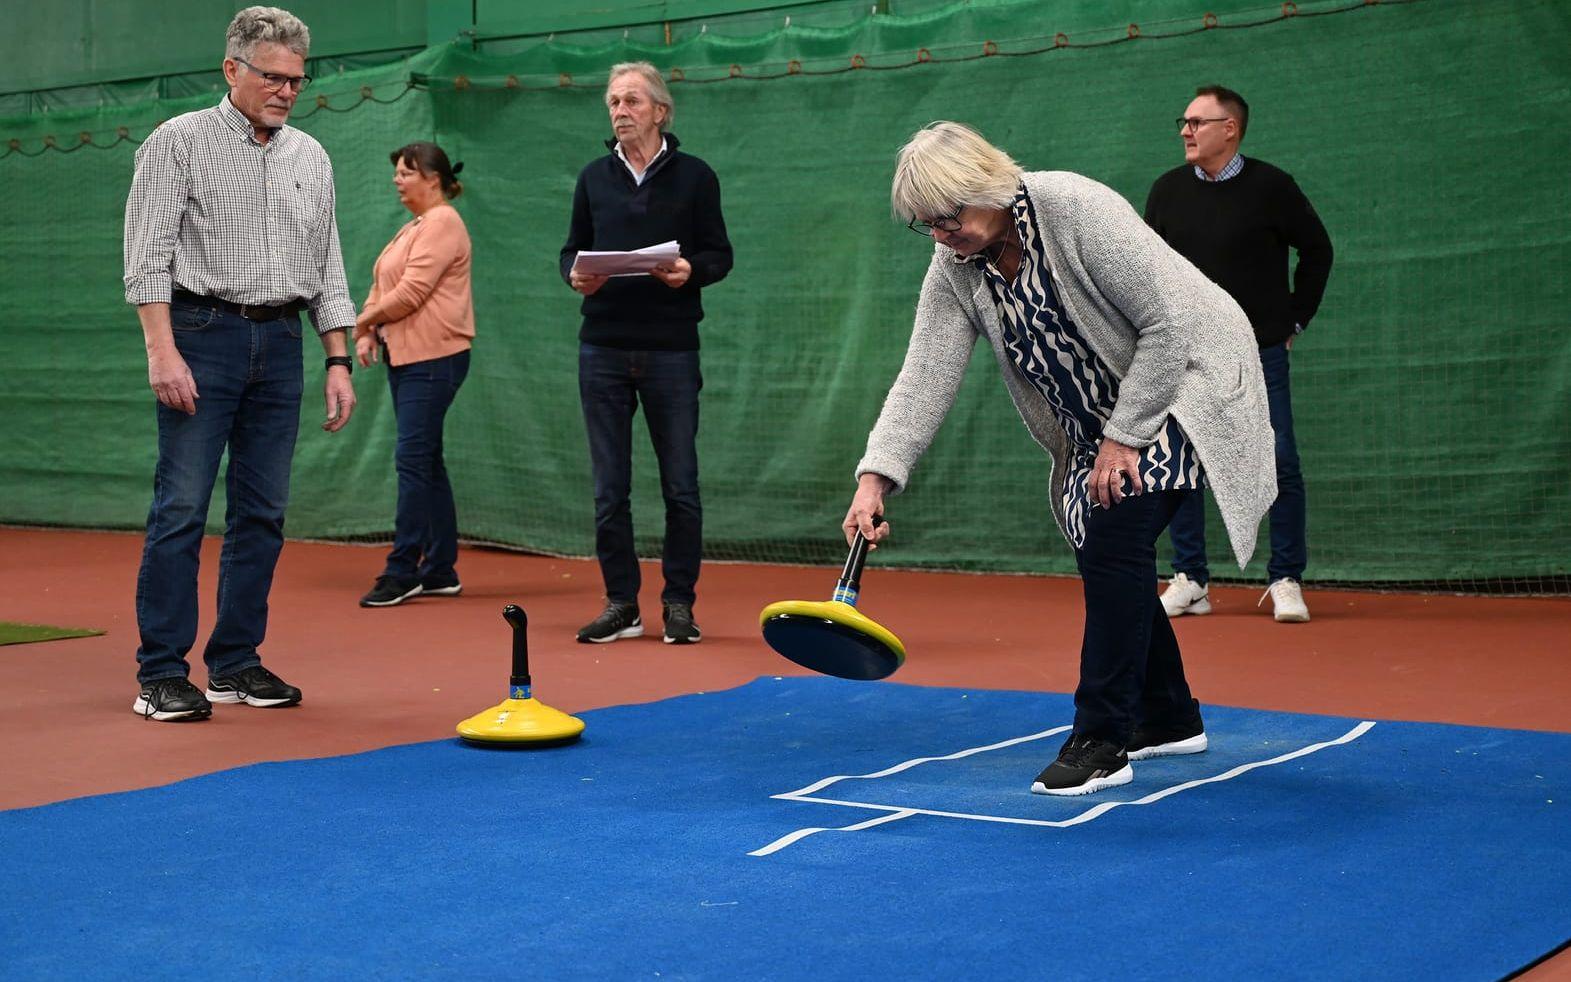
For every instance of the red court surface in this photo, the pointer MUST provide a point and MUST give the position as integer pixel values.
(373, 678)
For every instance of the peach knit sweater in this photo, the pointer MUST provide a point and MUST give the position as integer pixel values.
(422, 280)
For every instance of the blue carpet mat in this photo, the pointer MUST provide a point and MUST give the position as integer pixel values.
(660, 847)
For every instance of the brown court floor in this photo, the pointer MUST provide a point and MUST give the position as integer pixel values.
(374, 678)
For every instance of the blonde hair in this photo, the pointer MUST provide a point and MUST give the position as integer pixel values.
(948, 166)
(658, 93)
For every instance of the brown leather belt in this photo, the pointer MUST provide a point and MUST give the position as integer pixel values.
(251, 312)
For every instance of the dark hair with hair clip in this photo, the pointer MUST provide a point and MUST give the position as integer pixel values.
(428, 158)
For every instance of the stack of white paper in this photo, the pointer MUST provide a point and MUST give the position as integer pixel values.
(635, 263)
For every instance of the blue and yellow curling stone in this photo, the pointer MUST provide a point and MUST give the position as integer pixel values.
(520, 720)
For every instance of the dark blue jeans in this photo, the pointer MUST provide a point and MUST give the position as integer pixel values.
(248, 376)
(1130, 668)
(425, 532)
(1289, 538)
(611, 384)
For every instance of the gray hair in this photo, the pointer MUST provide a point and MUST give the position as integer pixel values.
(265, 25)
(658, 93)
(945, 167)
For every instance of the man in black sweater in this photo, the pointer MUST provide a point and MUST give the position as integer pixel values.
(1235, 219)
(639, 342)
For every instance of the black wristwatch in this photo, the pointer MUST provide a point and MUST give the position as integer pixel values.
(343, 360)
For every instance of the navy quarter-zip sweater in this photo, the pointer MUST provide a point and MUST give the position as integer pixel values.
(679, 199)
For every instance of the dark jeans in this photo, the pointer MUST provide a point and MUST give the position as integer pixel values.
(611, 384)
(248, 376)
(1289, 538)
(1130, 668)
(425, 532)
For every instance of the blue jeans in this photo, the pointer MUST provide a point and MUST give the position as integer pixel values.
(611, 384)
(1130, 668)
(249, 378)
(1289, 538)
(425, 532)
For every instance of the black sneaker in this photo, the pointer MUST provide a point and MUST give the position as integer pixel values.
(441, 586)
(617, 621)
(171, 700)
(679, 626)
(1085, 764)
(254, 686)
(1167, 741)
(390, 592)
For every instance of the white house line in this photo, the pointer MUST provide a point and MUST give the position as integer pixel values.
(826, 782)
(897, 812)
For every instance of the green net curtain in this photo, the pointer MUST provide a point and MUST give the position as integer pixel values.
(1430, 393)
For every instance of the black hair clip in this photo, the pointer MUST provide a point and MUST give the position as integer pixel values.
(458, 167)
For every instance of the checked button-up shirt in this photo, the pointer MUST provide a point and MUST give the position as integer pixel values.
(217, 213)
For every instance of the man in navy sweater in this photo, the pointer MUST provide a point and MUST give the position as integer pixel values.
(1235, 219)
(639, 342)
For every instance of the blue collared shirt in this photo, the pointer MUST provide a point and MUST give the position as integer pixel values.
(1231, 169)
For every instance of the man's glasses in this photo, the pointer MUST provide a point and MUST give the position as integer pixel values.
(274, 81)
(1195, 122)
(949, 223)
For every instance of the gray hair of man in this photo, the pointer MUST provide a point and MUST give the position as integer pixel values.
(265, 25)
(945, 167)
(653, 83)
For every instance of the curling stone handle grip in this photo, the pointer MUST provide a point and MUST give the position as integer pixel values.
(515, 616)
(851, 576)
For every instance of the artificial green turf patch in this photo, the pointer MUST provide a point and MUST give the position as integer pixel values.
(13, 633)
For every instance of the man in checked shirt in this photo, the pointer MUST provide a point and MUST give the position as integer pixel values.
(229, 234)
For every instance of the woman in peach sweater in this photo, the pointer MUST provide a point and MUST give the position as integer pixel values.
(421, 317)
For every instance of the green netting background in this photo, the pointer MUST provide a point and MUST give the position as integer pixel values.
(1430, 395)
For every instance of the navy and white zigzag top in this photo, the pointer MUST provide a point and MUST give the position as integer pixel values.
(1050, 352)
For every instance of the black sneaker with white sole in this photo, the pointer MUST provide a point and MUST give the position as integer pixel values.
(390, 591)
(679, 626)
(441, 586)
(171, 701)
(617, 621)
(1085, 764)
(254, 686)
(1167, 740)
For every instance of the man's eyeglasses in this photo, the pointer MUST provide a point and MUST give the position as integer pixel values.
(949, 223)
(1195, 122)
(274, 81)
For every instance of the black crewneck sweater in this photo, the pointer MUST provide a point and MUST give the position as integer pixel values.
(679, 199)
(1238, 231)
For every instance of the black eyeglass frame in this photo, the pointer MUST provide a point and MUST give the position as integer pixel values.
(296, 82)
(1195, 122)
(947, 223)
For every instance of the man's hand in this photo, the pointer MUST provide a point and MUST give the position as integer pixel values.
(865, 504)
(584, 283)
(673, 274)
(339, 393)
(367, 350)
(171, 379)
(1114, 462)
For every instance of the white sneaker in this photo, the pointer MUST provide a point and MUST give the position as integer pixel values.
(1287, 600)
(1185, 596)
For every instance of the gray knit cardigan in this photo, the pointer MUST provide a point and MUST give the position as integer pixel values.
(1178, 343)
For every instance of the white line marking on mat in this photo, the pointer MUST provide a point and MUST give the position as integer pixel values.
(897, 812)
(785, 840)
(826, 782)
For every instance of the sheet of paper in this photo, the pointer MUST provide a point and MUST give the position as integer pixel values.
(634, 263)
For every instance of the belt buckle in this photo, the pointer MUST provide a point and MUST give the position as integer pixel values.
(252, 312)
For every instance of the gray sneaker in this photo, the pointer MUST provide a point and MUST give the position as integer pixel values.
(616, 622)
(679, 626)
